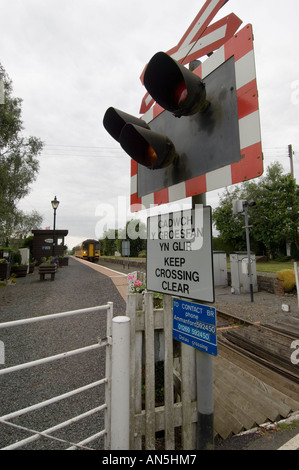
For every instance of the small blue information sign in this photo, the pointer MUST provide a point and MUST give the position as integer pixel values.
(195, 325)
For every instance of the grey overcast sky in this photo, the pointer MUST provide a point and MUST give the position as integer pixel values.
(70, 60)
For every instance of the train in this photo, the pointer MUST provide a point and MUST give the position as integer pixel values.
(89, 250)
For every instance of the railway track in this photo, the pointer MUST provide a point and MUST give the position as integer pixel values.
(268, 344)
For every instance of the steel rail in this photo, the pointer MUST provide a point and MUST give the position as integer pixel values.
(242, 351)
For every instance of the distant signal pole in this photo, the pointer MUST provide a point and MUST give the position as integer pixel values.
(291, 153)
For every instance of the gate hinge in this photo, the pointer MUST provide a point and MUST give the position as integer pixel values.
(105, 341)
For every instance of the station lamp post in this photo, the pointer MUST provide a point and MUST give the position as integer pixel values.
(55, 204)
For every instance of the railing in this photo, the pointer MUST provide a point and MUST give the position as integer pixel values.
(35, 435)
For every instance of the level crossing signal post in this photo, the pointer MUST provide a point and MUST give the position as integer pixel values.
(183, 94)
(204, 128)
(204, 385)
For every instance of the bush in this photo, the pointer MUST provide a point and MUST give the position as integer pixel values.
(16, 258)
(288, 278)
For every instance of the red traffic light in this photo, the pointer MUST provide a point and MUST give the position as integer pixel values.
(146, 147)
(174, 87)
(180, 94)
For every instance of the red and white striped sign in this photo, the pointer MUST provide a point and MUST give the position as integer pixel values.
(251, 159)
(200, 39)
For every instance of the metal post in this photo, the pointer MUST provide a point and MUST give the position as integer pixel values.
(55, 204)
(204, 382)
(248, 251)
(107, 438)
(291, 159)
(54, 227)
(120, 384)
(205, 401)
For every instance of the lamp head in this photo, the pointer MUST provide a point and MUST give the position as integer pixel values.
(55, 203)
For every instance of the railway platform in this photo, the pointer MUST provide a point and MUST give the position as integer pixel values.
(118, 278)
(75, 286)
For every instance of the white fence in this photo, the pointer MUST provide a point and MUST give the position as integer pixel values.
(116, 420)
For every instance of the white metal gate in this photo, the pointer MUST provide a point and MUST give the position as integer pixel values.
(112, 335)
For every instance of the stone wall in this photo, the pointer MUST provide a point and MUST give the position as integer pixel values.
(266, 282)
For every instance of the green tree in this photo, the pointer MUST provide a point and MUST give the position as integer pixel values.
(25, 223)
(19, 164)
(109, 242)
(135, 233)
(232, 234)
(274, 219)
